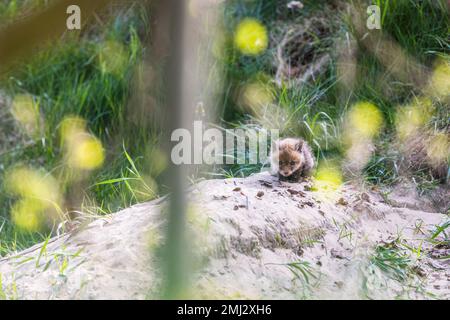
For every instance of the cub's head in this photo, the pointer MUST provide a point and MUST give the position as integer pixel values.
(287, 156)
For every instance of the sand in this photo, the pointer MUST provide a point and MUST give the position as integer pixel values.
(252, 238)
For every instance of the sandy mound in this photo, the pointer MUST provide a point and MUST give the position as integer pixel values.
(255, 238)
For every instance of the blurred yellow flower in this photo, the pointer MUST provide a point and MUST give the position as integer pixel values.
(440, 80)
(113, 58)
(438, 149)
(39, 193)
(255, 95)
(411, 118)
(86, 152)
(365, 119)
(70, 127)
(157, 161)
(83, 150)
(251, 37)
(328, 178)
(328, 181)
(27, 183)
(27, 214)
(26, 111)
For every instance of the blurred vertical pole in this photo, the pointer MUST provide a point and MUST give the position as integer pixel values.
(175, 266)
(181, 38)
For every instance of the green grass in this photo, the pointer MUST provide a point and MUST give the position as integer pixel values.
(8, 293)
(65, 80)
(316, 111)
(392, 262)
(440, 236)
(442, 229)
(397, 264)
(303, 271)
(306, 274)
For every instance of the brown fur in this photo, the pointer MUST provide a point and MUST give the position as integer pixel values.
(292, 159)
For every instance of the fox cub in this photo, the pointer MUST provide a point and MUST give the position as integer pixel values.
(292, 159)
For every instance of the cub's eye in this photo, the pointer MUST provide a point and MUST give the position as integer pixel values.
(292, 163)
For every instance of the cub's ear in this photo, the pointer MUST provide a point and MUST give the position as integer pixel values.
(299, 145)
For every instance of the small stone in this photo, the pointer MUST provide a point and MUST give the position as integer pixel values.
(295, 5)
(296, 192)
(309, 203)
(365, 197)
(266, 184)
(336, 254)
(215, 197)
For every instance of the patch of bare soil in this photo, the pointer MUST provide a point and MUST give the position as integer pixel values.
(250, 238)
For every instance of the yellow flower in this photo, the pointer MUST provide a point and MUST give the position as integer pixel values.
(86, 153)
(26, 112)
(251, 37)
(157, 161)
(27, 215)
(365, 119)
(412, 117)
(255, 95)
(32, 184)
(70, 127)
(440, 80)
(328, 177)
(438, 148)
(83, 150)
